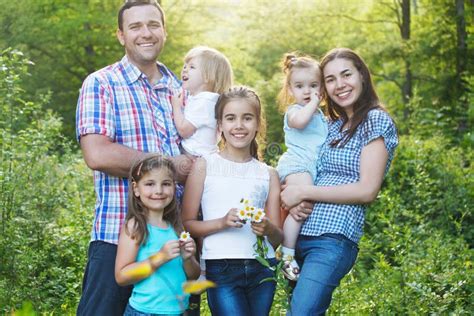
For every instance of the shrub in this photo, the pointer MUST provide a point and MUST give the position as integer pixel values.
(43, 200)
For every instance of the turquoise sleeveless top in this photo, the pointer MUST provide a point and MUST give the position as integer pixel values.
(160, 293)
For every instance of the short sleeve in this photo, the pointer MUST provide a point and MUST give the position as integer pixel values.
(290, 109)
(200, 111)
(380, 124)
(94, 112)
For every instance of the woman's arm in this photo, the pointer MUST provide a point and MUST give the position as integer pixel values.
(373, 160)
(270, 225)
(192, 201)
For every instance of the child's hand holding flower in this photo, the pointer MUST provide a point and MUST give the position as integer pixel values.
(170, 250)
(187, 245)
(232, 219)
(260, 224)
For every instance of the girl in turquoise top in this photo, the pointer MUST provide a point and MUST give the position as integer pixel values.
(305, 131)
(149, 254)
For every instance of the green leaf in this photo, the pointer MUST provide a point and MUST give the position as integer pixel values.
(263, 261)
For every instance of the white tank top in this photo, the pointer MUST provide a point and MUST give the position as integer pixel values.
(226, 183)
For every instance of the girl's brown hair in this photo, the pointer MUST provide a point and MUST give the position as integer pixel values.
(367, 100)
(239, 93)
(289, 62)
(136, 210)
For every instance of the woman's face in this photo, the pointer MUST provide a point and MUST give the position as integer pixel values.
(343, 83)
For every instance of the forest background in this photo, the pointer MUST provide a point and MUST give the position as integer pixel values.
(416, 255)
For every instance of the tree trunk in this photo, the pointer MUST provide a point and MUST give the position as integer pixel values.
(461, 63)
(407, 88)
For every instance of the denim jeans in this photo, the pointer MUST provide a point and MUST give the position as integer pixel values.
(101, 295)
(239, 290)
(324, 261)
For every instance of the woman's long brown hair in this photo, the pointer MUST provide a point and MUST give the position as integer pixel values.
(368, 99)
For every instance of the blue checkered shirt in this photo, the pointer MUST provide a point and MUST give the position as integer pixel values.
(119, 102)
(341, 166)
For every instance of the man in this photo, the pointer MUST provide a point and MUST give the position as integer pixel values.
(123, 112)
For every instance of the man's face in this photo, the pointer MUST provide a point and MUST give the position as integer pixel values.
(143, 34)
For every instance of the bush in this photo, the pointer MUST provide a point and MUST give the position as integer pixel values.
(430, 274)
(416, 254)
(44, 196)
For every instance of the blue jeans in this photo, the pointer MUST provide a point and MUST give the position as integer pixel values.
(239, 291)
(324, 261)
(101, 295)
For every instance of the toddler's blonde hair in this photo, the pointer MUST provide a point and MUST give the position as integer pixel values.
(291, 61)
(216, 68)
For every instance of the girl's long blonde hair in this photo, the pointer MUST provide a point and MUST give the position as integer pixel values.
(136, 210)
(290, 62)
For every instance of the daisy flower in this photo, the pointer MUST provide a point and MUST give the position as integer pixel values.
(258, 215)
(184, 236)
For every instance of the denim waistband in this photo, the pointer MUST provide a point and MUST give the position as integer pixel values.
(340, 237)
(239, 261)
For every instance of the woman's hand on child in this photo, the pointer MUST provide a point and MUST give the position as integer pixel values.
(188, 248)
(301, 211)
(290, 196)
(231, 219)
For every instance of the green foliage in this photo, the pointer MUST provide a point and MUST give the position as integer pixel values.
(416, 254)
(43, 200)
(430, 184)
(429, 273)
(70, 39)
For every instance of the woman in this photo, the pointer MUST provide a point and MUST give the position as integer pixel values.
(353, 161)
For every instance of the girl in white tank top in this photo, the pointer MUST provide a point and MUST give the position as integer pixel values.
(217, 184)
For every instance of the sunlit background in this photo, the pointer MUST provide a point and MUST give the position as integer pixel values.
(416, 254)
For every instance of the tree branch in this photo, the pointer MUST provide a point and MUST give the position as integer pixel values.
(389, 78)
(79, 75)
(349, 17)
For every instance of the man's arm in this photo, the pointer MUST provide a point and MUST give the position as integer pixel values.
(102, 154)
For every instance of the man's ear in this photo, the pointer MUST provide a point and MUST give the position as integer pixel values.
(120, 38)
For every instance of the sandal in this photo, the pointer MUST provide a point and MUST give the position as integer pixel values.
(290, 269)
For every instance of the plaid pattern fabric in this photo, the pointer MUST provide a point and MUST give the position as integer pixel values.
(342, 165)
(119, 102)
